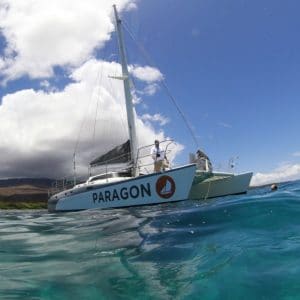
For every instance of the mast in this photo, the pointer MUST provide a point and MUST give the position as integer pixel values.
(128, 96)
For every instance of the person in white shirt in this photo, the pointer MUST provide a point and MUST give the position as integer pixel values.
(158, 156)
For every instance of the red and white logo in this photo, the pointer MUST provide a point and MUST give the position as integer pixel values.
(165, 187)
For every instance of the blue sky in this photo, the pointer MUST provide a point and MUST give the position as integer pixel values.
(232, 63)
(233, 67)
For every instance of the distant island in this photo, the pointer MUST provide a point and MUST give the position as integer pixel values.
(24, 193)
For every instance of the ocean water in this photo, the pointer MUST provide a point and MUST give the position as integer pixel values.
(235, 247)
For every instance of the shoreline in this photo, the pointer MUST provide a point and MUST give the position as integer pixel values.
(7, 205)
(19, 194)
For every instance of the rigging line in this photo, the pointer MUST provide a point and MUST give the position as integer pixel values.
(84, 117)
(163, 84)
(124, 126)
(95, 121)
(189, 127)
(97, 102)
(99, 97)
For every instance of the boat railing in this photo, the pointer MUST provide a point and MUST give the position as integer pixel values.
(144, 160)
(144, 156)
(108, 168)
(63, 184)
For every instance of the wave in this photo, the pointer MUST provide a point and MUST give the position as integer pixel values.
(230, 247)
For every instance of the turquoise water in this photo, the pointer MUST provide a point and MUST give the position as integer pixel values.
(239, 247)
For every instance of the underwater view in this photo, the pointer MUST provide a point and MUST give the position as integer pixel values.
(226, 248)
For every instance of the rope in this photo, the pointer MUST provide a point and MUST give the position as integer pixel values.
(208, 189)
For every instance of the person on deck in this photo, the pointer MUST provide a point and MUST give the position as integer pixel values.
(203, 162)
(159, 157)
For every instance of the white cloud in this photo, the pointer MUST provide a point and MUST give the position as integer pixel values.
(146, 73)
(155, 118)
(297, 154)
(45, 84)
(42, 34)
(225, 125)
(131, 6)
(39, 129)
(283, 173)
(150, 76)
(151, 89)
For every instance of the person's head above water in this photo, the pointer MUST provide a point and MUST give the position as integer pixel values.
(274, 187)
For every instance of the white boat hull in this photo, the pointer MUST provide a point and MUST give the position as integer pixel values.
(219, 184)
(156, 188)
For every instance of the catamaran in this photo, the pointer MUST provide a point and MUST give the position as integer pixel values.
(125, 187)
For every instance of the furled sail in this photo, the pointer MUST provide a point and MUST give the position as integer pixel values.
(119, 154)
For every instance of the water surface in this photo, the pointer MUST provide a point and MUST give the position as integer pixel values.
(235, 247)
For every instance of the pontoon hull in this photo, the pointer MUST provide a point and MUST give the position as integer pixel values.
(220, 184)
(156, 188)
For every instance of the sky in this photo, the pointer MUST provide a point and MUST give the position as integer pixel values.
(231, 66)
